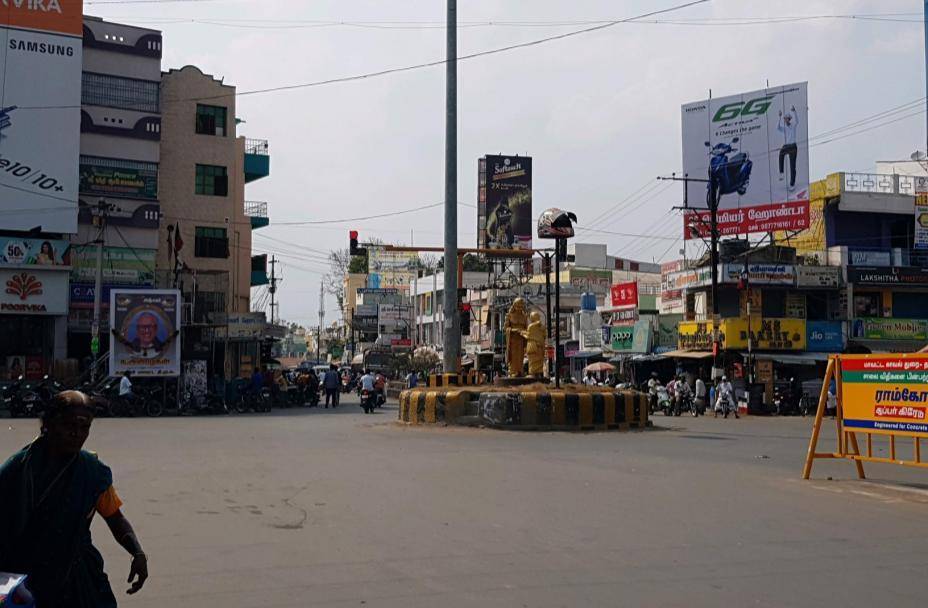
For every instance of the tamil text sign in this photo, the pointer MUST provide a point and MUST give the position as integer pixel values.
(921, 224)
(102, 180)
(885, 394)
(145, 334)
(40, 113)
(752, 150)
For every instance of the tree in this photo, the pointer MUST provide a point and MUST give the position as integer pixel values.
(472, 263)
(341, 263)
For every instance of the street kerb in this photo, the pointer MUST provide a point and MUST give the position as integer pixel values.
(880, 396)
(549, 410)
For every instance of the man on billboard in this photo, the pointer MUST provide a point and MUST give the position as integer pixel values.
(787, 126)
(146, 333)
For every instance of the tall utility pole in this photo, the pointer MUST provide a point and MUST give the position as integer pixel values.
(926, 76)
(102, 211)
(273, 289)
(321, 321)
(452, 336)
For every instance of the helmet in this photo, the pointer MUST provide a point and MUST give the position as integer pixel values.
(724, 378)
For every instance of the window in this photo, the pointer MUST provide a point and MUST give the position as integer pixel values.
(908, 305)
(211, 243)
(118, 92)
(212, 180)
(773, 304)
(211, 120)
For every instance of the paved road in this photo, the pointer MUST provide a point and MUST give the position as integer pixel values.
(336, 508)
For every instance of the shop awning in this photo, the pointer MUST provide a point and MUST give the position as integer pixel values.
(688, 354)
(790, 358)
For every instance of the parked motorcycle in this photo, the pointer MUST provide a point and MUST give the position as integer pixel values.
(21, 400)
(785, 401)
(203, 405)
(699, 407)
(729, 171)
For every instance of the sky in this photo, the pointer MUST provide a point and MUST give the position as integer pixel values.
(598, 112)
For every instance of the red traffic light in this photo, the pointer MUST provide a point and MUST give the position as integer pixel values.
(353, 235)
(465, 307)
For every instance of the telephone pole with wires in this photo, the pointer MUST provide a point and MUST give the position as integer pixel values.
(100, 216)
(321, 321)
(273, 289)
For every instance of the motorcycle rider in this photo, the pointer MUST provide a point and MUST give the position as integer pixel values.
(682, 392)
(700, 403)
(653, 385)
(725, 391)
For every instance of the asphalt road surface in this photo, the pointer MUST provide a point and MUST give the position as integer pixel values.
(316, 507)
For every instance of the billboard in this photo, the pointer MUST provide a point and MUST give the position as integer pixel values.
(753, 151)
(121, 265)
(624, 294)
(35, 291)
(504, 202)
(391, 269)
(145, 334)
(885, 394)
(15, 251)
(921, 224)
(40, 114)
(129, 182)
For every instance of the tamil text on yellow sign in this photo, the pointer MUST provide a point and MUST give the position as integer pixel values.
(885, 394)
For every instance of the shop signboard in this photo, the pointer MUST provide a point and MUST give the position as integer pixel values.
(504, 205)
(667, 334)
(860, 257)
(921, 223)
(33, 291)
(121, 265)
(127, 182)
(41, 57)
(767, 334)
(889, 329)
(885, 394)
(625, 317)
(811, 241)
(696, 335)
(759, 274)
(145, 335)
(891, 275)
(246, 325)
(825, 336)
(597, 281)
(818, 276)
(624, 295)
(365, 310)
(15, 251)
(622, 338)
(754, 148)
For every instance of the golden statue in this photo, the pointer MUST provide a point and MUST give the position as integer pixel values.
(514, 331)
(536, 337)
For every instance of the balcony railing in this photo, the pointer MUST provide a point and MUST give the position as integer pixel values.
(255, 209)
(883, 184)
(257, 146)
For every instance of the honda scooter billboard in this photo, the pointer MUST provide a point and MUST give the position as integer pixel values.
(749, 155)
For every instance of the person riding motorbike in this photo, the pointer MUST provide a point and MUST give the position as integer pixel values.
(682, 393)
(653, 385)
(726, 392)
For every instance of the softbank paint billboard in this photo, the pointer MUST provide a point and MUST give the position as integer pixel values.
(751, 153)
(40, 98)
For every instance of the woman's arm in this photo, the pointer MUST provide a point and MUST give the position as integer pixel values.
(124, 534)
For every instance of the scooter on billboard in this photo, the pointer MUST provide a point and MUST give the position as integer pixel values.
(729, 171)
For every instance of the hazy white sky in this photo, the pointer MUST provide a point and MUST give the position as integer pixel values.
(600, 113)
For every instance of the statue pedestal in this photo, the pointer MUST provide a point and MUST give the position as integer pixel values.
(519, 381)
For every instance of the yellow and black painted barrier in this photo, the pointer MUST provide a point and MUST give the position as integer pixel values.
(573, 410)
(441, 380)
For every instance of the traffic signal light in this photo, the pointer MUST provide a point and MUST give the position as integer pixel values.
(465, 318)
(353, 248)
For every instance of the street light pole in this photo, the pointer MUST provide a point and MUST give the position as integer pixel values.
(102, 210)
(452, 336)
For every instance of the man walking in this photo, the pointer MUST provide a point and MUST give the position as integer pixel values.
(331, 382)
(787, 126)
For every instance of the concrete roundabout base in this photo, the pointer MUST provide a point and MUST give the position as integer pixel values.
(533, 407)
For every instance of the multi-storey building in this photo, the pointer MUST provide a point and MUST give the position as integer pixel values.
(119, 159)
(206, 222)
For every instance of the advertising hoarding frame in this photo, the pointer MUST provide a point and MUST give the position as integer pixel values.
(753, 147)
(155, 350)
(877, 395)
(504, 203)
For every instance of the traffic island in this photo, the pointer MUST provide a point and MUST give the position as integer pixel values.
(531, 407)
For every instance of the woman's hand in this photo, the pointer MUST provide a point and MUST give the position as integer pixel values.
(138, 571)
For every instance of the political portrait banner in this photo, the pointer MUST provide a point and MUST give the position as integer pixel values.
(748, 154)
(145, 332)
